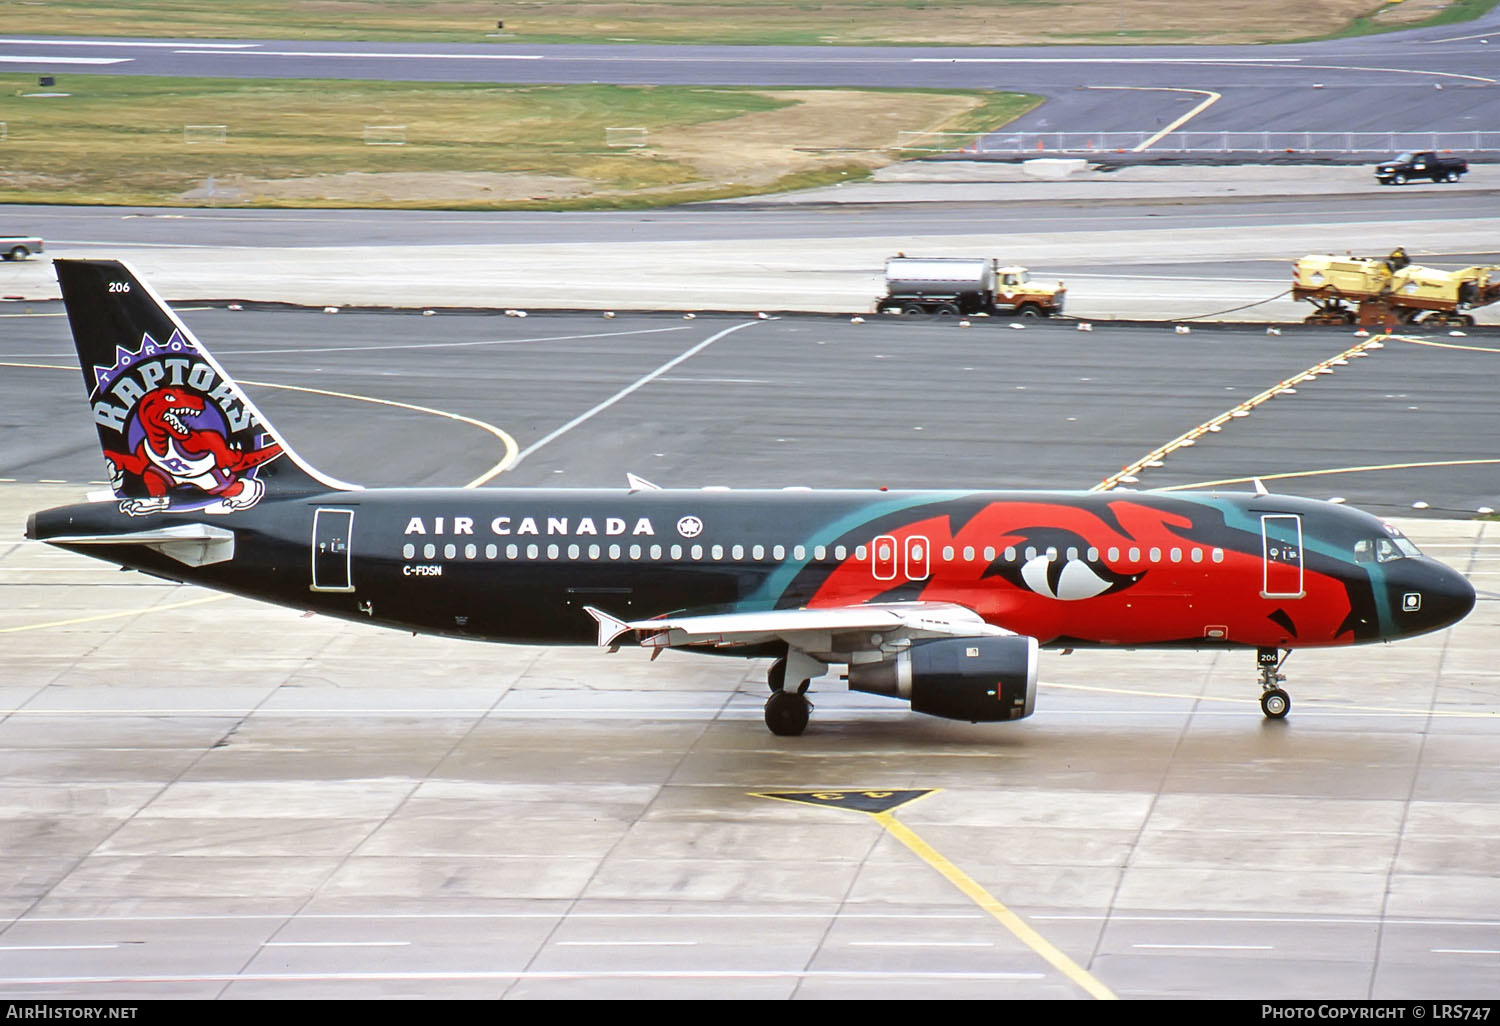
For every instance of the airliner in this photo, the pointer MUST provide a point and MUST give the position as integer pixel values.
(940, 599)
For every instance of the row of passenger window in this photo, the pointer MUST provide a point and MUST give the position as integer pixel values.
(618, 551)
(799, 552)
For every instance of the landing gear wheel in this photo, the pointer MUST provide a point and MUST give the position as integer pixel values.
(776, 675)
(1275, 703)
(787, 713)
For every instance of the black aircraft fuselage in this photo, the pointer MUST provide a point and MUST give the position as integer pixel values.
(939, 598)
(1070, 569)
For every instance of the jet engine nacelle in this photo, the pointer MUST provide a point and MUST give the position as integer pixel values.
(958, 678)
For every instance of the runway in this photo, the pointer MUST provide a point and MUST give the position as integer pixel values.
(204, 797)
(1139, 244)
(1382, 83)
(813, 401)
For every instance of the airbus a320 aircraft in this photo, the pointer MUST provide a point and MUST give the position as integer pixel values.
(941, 599)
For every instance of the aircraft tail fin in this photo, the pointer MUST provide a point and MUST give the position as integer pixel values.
(177, 433)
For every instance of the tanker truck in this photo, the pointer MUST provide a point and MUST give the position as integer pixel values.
(964, 286)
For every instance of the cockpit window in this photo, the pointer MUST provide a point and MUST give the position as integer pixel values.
(1384, 550)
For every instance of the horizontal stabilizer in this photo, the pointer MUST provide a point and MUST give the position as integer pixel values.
(192, 544)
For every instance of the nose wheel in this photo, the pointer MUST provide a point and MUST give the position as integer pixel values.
(1274, 701)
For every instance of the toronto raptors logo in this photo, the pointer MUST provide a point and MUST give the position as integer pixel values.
(176, 435)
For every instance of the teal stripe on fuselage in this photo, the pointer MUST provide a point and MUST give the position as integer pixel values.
(776, 583)
(1244, 520)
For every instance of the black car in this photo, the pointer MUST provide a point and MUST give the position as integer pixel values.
(1407, 166)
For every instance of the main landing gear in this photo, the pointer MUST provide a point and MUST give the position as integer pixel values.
(787, 709)
(1274, 702)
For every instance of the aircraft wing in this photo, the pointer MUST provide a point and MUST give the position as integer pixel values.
(806, 629)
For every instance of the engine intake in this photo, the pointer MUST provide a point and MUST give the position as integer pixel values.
(974, 679)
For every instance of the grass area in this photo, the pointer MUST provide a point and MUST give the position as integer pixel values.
(126, 140)
(1405, 14)
(785, 22)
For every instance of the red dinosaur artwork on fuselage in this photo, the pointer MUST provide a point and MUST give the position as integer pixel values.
(175, 456)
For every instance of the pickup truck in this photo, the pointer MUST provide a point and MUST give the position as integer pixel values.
(19, 247)
(1403, 168)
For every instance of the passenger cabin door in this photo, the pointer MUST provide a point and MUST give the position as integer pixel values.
(332, 530)
(1281, 547)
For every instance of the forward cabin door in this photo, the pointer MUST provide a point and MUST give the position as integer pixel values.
(332, 529)
(1281, 547)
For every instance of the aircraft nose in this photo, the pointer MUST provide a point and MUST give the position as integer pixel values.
(1432, 596)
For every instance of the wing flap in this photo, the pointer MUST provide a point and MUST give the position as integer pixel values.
(799, 627)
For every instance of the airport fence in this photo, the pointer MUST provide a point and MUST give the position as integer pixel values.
(1084, 143)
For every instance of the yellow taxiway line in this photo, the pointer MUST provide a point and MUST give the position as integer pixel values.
(884, 805)
(993, 906)
(115, 615)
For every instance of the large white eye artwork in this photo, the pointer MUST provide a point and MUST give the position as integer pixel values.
(1074, 580)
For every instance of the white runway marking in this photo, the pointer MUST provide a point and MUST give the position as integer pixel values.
(627, 944)
(376, 54)
(49, 59)
(1207, 947)
(1106, 60)
(8, 41)
(1465, 951)
(456, 345)
(336, 944)
(921, 944)
(842, 916)
(882, 976)
(1459, 39)
(624, 392)
(1402, 71)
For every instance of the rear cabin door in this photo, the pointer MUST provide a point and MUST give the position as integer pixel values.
(332, 530)
(1281, 546)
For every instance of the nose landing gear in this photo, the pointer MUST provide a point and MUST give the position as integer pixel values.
(1274, 701)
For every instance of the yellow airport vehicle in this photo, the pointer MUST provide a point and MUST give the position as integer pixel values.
(1391, 290)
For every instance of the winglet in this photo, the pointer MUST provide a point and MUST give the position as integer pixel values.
(1260, 487)
(610, 628)
(640, 484)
